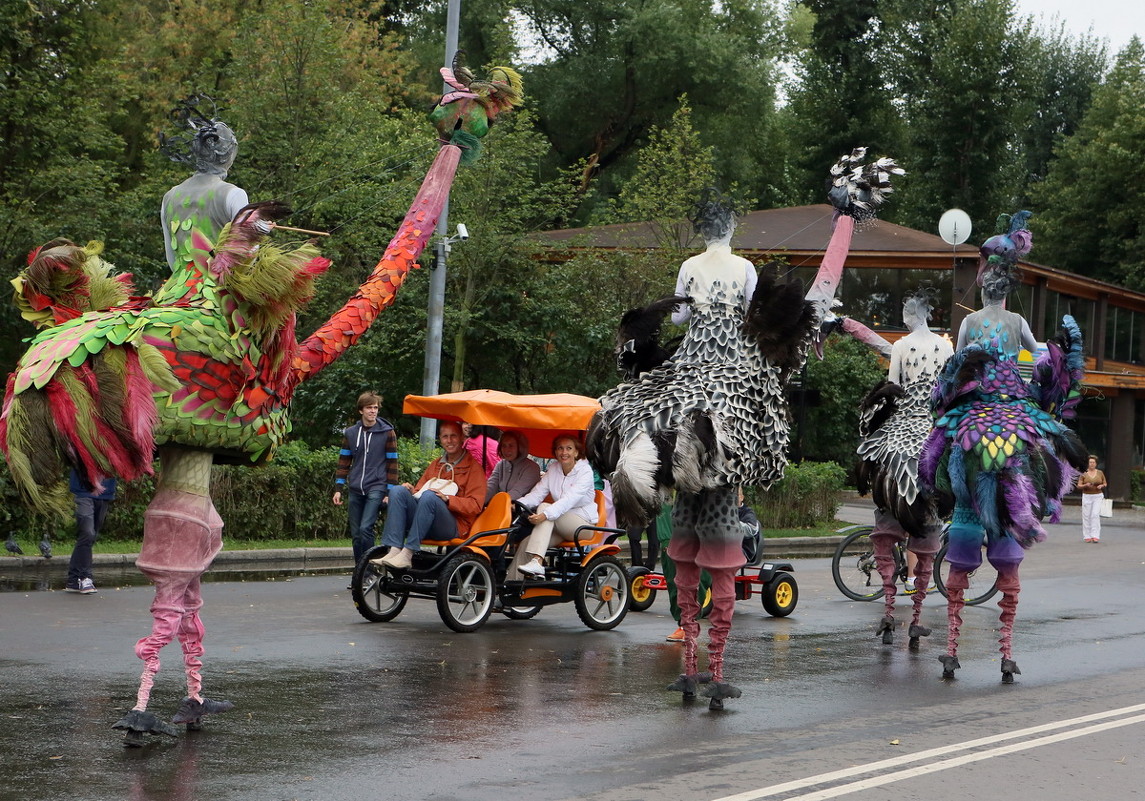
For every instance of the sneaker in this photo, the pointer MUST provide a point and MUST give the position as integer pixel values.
(676, 636)
(533, 568)
(87, 587)
(76, 587)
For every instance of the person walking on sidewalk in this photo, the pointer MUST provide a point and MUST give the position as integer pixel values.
(368, 468)
(92, 504)
(1091, 483)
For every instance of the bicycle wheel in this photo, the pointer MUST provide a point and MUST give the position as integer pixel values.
(983, 585)
(853, 567)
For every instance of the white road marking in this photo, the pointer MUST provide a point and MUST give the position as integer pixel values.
(933, 753)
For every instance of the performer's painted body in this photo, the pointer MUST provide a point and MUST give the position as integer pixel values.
(713, 417)
(208, 375)
(895, 421)
(999, 447)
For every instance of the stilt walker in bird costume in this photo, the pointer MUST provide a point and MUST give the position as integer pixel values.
(999, 446)
(894, 422)
(714, 416)
(205, 369)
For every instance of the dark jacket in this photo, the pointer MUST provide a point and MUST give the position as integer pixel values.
(368, 460)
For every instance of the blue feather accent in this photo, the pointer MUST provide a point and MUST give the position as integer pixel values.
(986, 501)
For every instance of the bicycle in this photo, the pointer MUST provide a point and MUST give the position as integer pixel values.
(856, 575)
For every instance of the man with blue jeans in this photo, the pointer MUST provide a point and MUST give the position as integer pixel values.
(92, 505)
(418, 512)
(368, 468)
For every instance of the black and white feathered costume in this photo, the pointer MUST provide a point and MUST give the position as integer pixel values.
(714, 416)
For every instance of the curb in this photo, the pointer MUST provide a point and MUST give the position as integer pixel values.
(303, 558)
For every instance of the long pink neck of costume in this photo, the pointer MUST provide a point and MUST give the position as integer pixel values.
(347, 325)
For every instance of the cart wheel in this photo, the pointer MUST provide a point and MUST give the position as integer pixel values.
(780, 595)
(602, 593)
(520, 612)
(370, 589)
(465, 592)
(642, 596)
(706, 601)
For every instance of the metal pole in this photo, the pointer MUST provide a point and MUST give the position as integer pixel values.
(435, 312)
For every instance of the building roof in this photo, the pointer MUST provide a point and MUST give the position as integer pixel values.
(800, 234)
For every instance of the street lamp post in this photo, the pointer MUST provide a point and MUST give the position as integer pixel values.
(435, 311)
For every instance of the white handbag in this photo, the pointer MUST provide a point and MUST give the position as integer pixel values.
(440, 485)
(1106, 507)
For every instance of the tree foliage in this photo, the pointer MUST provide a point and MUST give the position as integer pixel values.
(1094, 223)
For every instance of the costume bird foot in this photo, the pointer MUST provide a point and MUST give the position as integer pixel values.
(46, 548)
(887, 629)
(138, 723)
(686, 683)
(1009, 668)
(915, 632)
(718, 691)
(949, 665)
(12, 546)
(191, 711)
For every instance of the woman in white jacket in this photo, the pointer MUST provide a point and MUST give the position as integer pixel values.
(569, 484)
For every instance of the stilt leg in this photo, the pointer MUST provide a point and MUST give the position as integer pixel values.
(923, 570)
(1006, 555)
(955, 586)
(723, 605)
(885, 562)
(687, 583)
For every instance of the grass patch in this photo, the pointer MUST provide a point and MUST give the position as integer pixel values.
(815, 531)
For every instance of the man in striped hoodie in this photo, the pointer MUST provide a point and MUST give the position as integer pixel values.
(367, 468)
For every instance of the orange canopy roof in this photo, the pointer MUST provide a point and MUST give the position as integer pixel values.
(541, 418)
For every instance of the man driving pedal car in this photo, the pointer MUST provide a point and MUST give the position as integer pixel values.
(441, 506)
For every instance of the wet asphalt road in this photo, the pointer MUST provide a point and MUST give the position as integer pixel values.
(332, 707)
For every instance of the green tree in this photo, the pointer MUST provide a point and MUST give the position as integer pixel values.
(1093, 221)
(610, 71)
(967, 92)
(830, 430)
(843, 98)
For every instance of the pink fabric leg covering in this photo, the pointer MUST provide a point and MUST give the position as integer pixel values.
(1010, 586)
(723, 606)
(956, 583)
(167, 612)
(191, 632)
(923, 570)
(885, 562)
(687, 584)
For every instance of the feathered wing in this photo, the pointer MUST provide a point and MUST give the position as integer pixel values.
(638, 347)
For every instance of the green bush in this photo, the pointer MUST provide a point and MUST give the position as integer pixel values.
(806, 496)
(1137, 485)
(289, 498)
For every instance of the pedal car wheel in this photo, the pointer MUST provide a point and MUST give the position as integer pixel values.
(369, 587)
(704, 596)
(521, 612)
(602, 593)
(642, 596)
(465, 592)
(780, 595)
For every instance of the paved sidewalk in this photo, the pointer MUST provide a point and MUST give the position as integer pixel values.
(854, 511)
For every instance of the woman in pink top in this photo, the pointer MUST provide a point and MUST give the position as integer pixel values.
(481, 446)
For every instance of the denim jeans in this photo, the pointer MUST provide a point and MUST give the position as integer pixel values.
(90, 514)
(363, 514)
(412, 520)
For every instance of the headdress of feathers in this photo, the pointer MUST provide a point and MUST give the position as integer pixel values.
(918, 304)
(857, 189)
(998, 256)
(204, 141)
(464, 116)
(713, 215)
